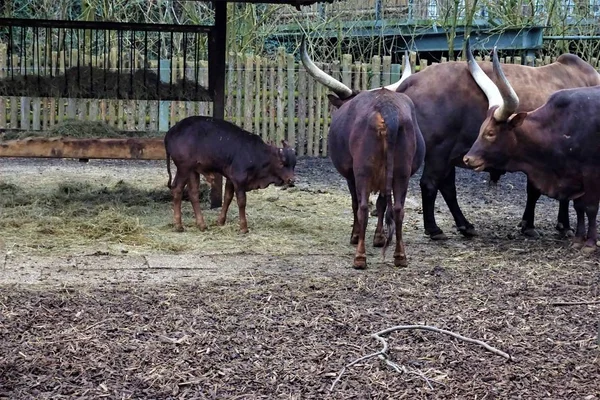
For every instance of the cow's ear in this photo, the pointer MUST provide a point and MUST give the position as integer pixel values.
(517, 119)
(335, 101)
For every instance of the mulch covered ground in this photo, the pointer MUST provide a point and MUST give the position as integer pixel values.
(272, 337)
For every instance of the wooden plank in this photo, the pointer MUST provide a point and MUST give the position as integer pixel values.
(347, 70)
(301, 146)
(325, 127)
(291, 101)
(364, 76)
(142, 110)
(25, 113)
(239, 66)
(386, 70)
(375, 72)
(3, 61)
(356, 80)
(318, 127)
(257, 87)
(271, 134)
(131, 148)
(14, 112)
(311, 116)
(120, 116)
(264, 102)
(248, 85)
(280, 129)
(36, 105)
(229, 88)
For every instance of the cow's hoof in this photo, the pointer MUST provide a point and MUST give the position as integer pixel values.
(588, 249)
(221, 222)
(437, 235)
(201, 227)
(400, 260)
(178, 228)
(244, 230)
(577, 243)
(531, 233)
(467, 231)
(379, 240)
(360, 262)
(354, 239)
(565, 232)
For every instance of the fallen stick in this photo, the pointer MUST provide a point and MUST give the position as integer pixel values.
(575, 303)
(383, 352)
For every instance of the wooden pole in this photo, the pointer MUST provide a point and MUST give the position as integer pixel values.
(216, 82)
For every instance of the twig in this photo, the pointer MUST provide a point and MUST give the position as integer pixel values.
(574, 303)
(399, 368)
(438, 330)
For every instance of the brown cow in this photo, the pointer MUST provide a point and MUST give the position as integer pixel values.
(556, 145)
(375, 143)
(207, 146)
(450, 110)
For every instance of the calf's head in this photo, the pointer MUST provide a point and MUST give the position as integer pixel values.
(497, 140)
(283, 163)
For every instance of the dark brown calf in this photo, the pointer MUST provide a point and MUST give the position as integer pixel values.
(556, 145)
(208, 146)
(375, 143)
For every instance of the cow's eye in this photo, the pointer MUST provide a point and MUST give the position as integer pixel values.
(489, 135)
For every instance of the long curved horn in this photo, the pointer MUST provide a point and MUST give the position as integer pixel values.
(483, 81)
(405, 73)
(336, 86)
(510, 98)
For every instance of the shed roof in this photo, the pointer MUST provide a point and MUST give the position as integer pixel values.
(296, 3)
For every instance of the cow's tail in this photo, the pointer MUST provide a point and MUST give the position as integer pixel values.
(169, 168)
(391, 120)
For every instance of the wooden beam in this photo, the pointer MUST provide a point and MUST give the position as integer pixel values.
(131, 148)
(216, 73)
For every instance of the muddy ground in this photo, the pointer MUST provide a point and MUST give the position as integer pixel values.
(103, 323)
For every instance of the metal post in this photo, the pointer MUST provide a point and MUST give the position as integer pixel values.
(216, 82)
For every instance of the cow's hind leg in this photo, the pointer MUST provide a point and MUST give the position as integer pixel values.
(379, 237)
(579, 239)
(448, 190)
(591, 211)
(194, 192)
(429, 188)
(360, 258)
(179, 182)
(400, 189)
(227, 198)
(563, 225)
(355, 227)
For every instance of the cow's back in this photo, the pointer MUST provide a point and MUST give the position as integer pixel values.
(213, 143)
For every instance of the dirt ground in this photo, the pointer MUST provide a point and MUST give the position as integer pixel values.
(114, 322)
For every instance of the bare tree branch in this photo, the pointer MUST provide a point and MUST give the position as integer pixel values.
(383, 353)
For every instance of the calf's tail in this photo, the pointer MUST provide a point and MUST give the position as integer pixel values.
(391, 120)
(169, 169)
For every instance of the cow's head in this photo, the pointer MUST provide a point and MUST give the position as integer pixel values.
(283, 165)
(497, 136)
(342, 92)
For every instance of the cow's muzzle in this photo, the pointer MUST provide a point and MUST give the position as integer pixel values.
(475, 163)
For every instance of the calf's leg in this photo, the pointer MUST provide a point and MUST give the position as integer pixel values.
(179, 182)
(429, 187)
(563, 225)
(227, 198)
(379, 237)
(527, 220)
(194, 192)
(240, 196)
